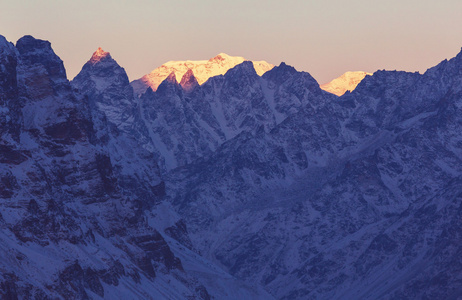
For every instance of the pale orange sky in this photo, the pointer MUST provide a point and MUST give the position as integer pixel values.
(325, 38)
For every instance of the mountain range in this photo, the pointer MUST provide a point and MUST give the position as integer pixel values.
(244, 184)
(219, 65)
(202, 69)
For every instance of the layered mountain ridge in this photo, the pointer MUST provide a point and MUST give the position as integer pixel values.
(240, 187)
(75, 189)
(326, 203)
(202, 70)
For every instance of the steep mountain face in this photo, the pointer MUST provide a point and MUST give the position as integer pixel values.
(175, 129)
(181, 122)
(10, 116)
(104, 88)
(186, 121)
(353, 198)
(189, 81)
(75, 191)
(347, 82)
(107, 86)
(202, 69)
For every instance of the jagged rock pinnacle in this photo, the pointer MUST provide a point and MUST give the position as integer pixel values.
(171, 78)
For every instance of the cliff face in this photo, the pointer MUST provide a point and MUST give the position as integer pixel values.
(75, 188)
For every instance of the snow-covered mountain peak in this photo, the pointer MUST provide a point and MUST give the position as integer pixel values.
(347, 82)
(99, 55)
(107, 86)
(101, 65)
(223, 57)
(202, 69)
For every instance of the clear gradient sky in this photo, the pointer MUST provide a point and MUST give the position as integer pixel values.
(323, 37)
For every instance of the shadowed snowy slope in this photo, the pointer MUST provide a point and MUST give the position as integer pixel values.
(186, 124)
(75, 190)
(350, 198)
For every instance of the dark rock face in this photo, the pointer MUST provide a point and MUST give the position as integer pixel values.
(41, 71)
(74, 186)
(156, 249)
(10, 116)
(39, 52)
(179, 232)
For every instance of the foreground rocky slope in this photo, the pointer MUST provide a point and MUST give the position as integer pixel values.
(75, 189)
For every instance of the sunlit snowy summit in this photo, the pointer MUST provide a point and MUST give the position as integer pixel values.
(202, 70)
(347, 82)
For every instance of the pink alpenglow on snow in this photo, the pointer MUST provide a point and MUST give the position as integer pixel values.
(347, 82)
(99, 55)
(202, 70)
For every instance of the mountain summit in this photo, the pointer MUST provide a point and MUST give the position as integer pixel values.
(202, 70)
(99, 55)
(347, 82)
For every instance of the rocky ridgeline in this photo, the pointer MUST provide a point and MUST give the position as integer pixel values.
(75, 188)
(351, 198)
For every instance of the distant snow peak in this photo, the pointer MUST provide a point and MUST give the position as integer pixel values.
(347, 82)
(98, 55)
(223, 57)
(202, 70)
